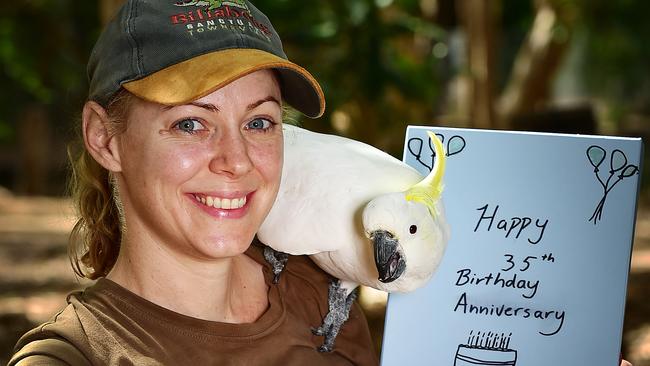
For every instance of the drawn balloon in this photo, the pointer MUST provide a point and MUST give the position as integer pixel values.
(455, 145)
(618, 160)
(629, 171)
(596, 155)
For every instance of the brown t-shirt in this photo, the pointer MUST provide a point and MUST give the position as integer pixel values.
(109, 325)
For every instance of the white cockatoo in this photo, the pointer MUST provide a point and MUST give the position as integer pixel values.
(363, 216)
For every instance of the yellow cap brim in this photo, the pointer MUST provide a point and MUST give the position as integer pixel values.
(197, 77)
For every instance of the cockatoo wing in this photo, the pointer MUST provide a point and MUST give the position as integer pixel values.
(326, 182)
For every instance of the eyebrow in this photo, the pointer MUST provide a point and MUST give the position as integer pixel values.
(212, 108)
(270, 98)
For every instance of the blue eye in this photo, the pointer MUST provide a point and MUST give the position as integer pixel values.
(189, 125)
(259, 124)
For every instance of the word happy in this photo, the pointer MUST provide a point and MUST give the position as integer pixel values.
(514, 226)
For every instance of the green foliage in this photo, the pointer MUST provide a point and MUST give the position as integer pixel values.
(43, 50)
(617, 53)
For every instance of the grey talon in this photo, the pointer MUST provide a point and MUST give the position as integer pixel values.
(339, 303)
(277, 260)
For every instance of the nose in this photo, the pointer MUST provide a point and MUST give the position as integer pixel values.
(231, 155)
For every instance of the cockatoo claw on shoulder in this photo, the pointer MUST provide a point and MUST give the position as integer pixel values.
(361, 215)
(339, 304)
(277, 260)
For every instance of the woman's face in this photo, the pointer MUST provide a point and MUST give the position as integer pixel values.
(200, 178)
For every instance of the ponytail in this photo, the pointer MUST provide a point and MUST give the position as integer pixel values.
(94, 243)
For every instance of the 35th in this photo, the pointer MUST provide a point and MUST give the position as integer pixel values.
(524, 264)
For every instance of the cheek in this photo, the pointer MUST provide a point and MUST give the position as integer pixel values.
(268, 160)
(167, 162)
(181, 162)
(184, 160)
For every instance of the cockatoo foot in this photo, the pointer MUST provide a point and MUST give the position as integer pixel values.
(277, 260)
(339, 303)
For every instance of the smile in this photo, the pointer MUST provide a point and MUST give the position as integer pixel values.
(221, 203)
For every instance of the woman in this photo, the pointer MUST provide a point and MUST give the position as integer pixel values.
(182, 162)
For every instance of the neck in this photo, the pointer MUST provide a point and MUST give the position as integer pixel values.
(230, 290)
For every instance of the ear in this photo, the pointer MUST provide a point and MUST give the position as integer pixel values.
(99, 143)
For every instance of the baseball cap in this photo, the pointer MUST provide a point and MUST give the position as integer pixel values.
(175, 51)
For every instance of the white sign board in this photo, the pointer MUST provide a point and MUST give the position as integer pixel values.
(536, 269)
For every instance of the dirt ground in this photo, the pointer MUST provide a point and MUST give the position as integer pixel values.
(35, 274)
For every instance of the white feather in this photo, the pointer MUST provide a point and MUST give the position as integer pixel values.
(327, 181)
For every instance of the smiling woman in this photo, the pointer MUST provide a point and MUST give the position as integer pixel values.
(208, 149)
(181, 163)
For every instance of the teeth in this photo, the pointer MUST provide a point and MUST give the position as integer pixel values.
(223, 203)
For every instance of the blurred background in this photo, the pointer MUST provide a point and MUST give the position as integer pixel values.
(574, 66)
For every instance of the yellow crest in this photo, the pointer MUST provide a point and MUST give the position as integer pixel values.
(428, 190)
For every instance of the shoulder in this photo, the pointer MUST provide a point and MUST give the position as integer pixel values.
(304, 288)
(56, 342)
(49, 351)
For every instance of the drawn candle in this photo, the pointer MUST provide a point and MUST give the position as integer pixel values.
(486, 349)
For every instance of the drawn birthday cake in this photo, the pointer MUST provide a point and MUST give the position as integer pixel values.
(486, 349)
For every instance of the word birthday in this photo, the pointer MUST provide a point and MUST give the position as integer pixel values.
(466, 277)
(513, 225)
(558, 316)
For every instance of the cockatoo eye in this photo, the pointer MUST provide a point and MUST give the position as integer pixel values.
(413, 229)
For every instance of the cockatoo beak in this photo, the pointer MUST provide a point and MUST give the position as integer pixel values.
(388, 259)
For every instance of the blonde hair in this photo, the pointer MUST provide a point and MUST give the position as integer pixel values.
(94, 243)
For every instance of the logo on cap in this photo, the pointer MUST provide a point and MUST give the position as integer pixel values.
(213, 4)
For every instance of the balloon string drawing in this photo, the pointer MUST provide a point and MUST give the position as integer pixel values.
(618, 168)
(415, 146)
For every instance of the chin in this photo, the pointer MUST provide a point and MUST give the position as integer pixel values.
(220, 247)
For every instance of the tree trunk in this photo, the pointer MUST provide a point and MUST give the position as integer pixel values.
(34, 143)
(478, 19)
(528, 88)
